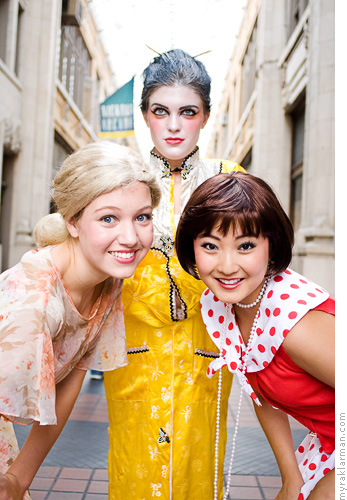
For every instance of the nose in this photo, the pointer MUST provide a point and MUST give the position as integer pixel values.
(127, 234)
(227, 264)
(174, 124)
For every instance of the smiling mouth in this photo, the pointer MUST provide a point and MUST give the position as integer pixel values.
(231, 282)
(123, 255)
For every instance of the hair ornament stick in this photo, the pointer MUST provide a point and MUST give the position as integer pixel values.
(150, 48)
(202, 53)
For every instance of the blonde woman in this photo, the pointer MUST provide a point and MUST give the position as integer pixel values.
(60, 308)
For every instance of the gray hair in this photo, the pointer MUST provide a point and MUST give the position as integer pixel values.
(95, 169)
(176, 67)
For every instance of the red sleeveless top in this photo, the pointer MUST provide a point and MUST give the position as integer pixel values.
(291, 389)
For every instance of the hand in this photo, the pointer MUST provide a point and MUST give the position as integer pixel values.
(290, 490)
(10, 488)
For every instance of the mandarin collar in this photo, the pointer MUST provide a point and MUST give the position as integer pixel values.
(188, 164)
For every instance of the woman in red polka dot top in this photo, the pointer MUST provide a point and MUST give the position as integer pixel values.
(274, 328)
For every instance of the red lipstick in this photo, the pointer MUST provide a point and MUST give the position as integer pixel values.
(174, 140)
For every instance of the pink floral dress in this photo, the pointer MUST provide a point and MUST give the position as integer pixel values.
(43, 337)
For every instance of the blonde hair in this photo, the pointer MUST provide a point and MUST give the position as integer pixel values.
(95, 169)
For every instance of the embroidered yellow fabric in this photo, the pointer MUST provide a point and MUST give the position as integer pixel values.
(162, 406)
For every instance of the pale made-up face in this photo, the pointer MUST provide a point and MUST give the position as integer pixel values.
(114, 232)
(232, 266)
(175, 117)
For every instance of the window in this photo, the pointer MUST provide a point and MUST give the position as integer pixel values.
(4, 23)
(247, 161)
(296, 10)
(225, 129)
(6, 178)
(249, 70)
(60, 152)
(19, 36)
(74, 66)
(95, 108)
(298, 139)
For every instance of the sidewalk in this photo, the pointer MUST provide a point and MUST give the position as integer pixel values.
(70, 472)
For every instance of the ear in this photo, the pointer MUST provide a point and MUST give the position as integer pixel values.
(206, 117)
(145, 117)
(72, 228)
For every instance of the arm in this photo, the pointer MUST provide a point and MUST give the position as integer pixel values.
(275, 425)
(40, 440)
(311, 345)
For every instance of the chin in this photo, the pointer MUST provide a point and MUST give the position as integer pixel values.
(225, 297)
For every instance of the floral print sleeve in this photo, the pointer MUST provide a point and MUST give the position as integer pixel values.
(43, 337)
(27, 384)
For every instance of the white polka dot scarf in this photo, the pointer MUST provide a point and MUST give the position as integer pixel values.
(288, 297)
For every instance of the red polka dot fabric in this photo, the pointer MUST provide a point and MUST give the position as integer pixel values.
(313, 463)
(288, 297)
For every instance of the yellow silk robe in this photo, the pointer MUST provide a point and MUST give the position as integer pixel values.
(162, 406)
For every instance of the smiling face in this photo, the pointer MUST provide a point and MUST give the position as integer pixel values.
(175, 117)
(114, 232)
(232, 266)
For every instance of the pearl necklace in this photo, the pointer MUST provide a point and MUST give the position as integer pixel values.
(219, 397)
(260, 296)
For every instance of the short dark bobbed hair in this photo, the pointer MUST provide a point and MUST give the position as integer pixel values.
(232, 201)
(176, 67)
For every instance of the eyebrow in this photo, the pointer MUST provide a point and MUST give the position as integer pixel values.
(182, 107)
(248, 235)
(112, 207)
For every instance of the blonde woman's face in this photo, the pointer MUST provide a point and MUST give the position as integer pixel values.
(114, 232)
(175, 117)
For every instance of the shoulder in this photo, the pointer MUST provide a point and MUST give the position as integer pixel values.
(223, 166)
(29, 282)
(314, 323)
(230, 166)
(311, 345)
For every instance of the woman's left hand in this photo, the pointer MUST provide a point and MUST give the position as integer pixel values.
(10, 488)
(290, 490)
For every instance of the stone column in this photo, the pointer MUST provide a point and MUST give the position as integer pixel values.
(317, 228)
(272, 139)
(37, 74)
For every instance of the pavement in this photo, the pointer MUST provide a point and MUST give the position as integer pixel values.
(76, 467)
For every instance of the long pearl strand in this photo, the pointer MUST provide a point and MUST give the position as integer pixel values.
(216, 450)
(219, 397)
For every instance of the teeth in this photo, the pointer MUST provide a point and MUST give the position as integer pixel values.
(123, 255)
(230, 282)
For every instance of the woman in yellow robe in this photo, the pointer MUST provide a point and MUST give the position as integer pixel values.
(162, 406)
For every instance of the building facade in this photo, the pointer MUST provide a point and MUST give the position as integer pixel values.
(54, 73)
(276, 118)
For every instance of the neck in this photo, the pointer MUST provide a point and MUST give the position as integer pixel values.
(83, 287)
(175, 164)
(246, 313)
(245, 319)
